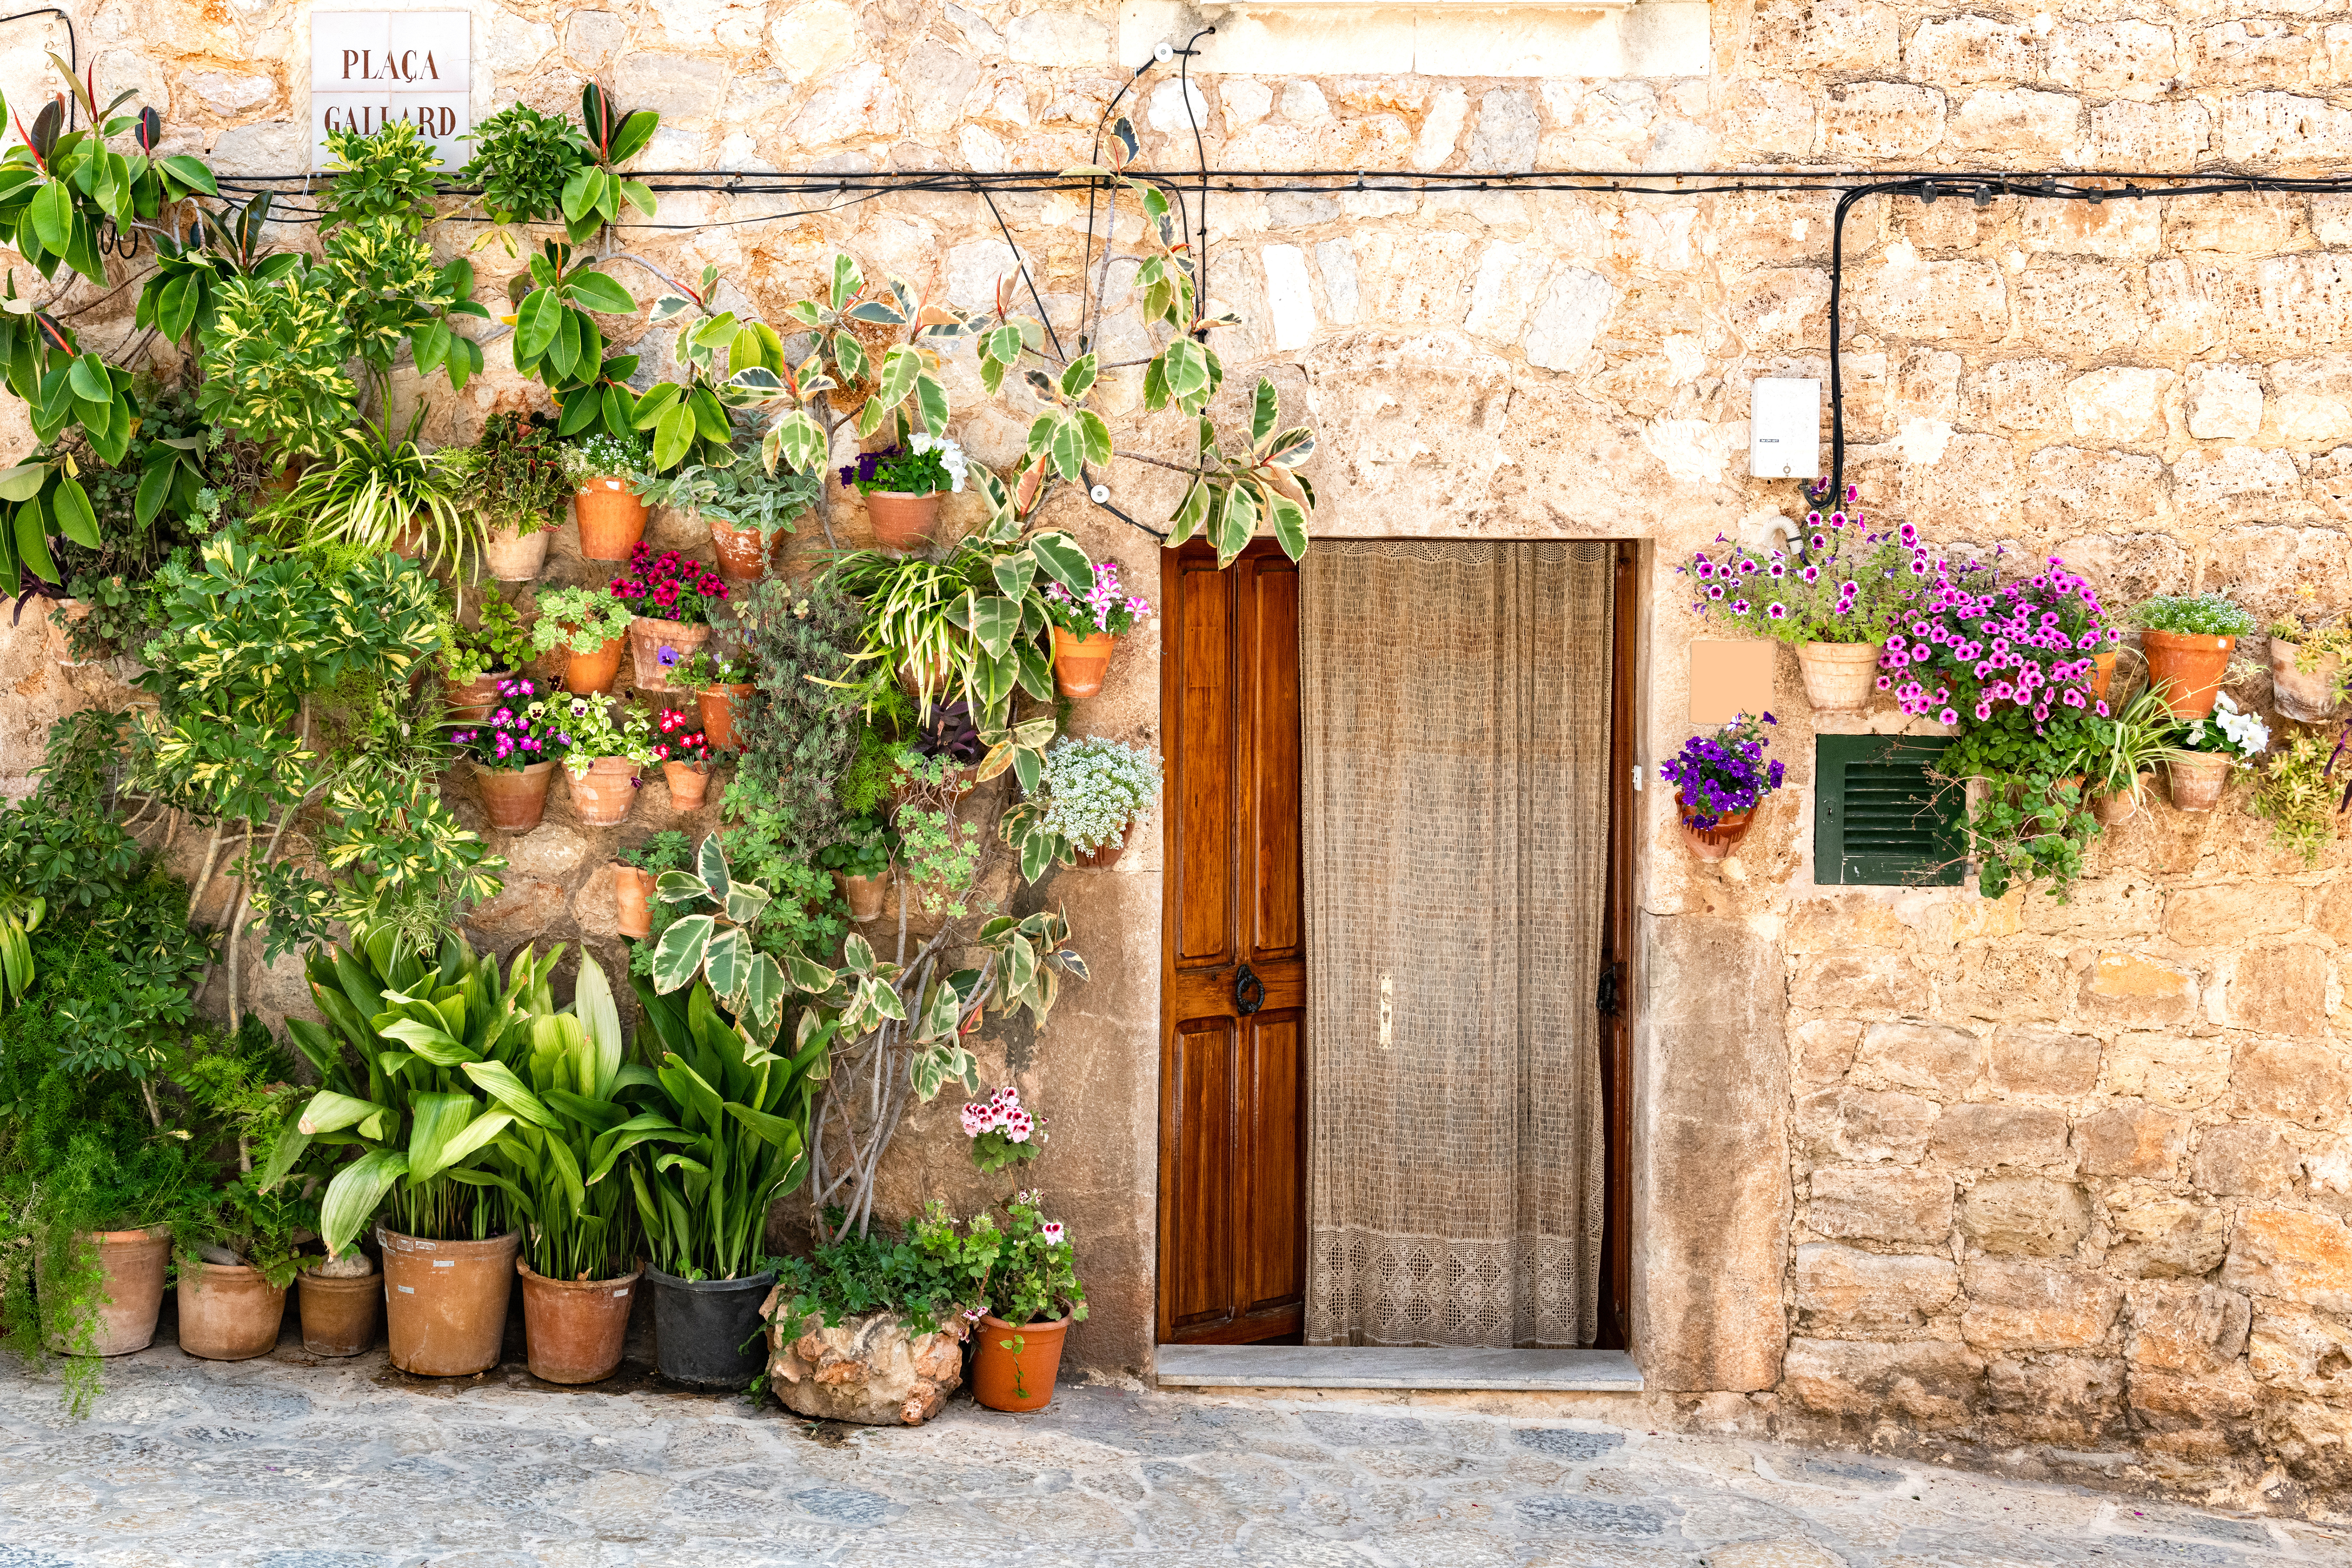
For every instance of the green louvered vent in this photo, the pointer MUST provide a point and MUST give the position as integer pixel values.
(1878, 817)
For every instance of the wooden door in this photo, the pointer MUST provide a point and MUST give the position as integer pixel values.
(1232, 1059)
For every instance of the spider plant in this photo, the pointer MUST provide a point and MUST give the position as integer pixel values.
(2131, 742)
(965, 629)
(381, 492)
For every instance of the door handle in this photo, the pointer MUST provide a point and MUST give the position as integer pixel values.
(1249, 992)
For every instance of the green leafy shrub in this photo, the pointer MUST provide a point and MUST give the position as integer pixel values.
(2296, 794)
(927, 1276)
(516, 480)
(578, 620)
(522, 160)
(273, 363)
(2032, 822)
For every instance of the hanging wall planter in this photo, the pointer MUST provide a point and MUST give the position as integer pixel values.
(445, 1302)
(1839, 675)
(1713, 843)
(574, 1329)
(514, 556)
(648, 637)
(589, 674)
(472, 703)
(715, 706)
(864, 895)
(2114, 807)
(339, 1311)
(688, 783)
(708, 1334)
(1103, 856)
(2197, 778)
(2103, 674)
(2184, 668)
(633, 893)
(131, 1266)
(1080, 663)
(742, 552)
(603, 792)
(2305, 696)
(1015, 1366)
(611, 519)
(514, 798)
(228, 1311)
(903, 521)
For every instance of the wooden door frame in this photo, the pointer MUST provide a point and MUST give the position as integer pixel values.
(1617, 965)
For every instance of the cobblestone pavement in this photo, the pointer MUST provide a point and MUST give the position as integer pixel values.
(291, 1463)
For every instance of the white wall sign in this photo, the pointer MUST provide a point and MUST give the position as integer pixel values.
(370, 67)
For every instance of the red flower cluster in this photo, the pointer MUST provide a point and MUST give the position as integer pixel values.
(682, 740)
(668, 586)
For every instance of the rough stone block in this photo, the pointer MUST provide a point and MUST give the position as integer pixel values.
(2310, 1353)
(2112, 59)
(2120, 403)
(2311, 404)
(2284, 128)
(2071, 1401)
(2281, 990)
(2036, 1059)
(2328, 1175)
(1871, 120)
(2081, 307)
(2172, 1327)
(2227, 914)
(1971, 49)
(2026, 1216)
(2076, 488)
(2036, 1305)
(1862, 983)
(872, 1369)
(1825, 1048)
(2295, 302)
(2245, 1160)
(1860, 1124)
(1840, 35)
(2237, 224)
(1881, 1203)
(2182, 1071)
(2131, 1139)
(2250, 53)
(1938, 1060)
(2168, 136)
(2026, 396)
(1778, 307)
(2021, 120)
(1972, 485)
(2165, 1238)
(1934, 1383)
(2292, 1256)
(1981, 1136)
(2297, 1081)
(1912, 298)
(2135, 988)
(2225, 402)
(1843, 1290)
(2196, 1416)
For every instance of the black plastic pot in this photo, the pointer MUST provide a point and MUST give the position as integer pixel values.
(708, 1333)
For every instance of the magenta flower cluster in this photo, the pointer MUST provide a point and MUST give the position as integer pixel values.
(669, 586)
(1837, 583)
(1107, 606)
(518, 733)
(1723, 774)
(1977, 644)
(1000, 1113)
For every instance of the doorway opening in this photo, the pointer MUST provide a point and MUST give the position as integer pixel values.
(1394, 1031)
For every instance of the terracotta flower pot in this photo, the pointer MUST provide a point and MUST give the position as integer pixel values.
(2185, 669)
(864, 895)
(573, 1329)
(902, 521)
(228, 1311)
(409, 543)
(1711, 843)
(1103, 856)
(587, 674)
(2306, 696)
(633, 894)
(716, 707)
(1081, 662)
(514, 556)
(339, 1314)
(2114, 807)
(130, 1293)
(688, 783)
(1015, 1365)
(514, 799)
(648, 637)
(472, 703)
(611, 519)
(1839, 675)
(444, 1302)
(742, 552)
(2102, 673)
(2197, 778)
(288, 475)
(603, 792)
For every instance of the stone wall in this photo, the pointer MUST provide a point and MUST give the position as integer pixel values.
(2064, 1180)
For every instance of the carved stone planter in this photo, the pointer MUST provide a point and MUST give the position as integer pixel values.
(870, 1370)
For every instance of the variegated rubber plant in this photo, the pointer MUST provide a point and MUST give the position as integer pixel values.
(714, 941)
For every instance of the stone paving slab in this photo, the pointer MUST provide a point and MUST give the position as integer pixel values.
(295, 1462)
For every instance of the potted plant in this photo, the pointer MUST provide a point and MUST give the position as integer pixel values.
(671, 598)
(2127, 746)
(1086, 628)
(1833, 596)
(860, 864)
(2187, 640)
(1001, 1132)
(273, 361)
(727, 1138)
(579, 1269)
(904, 486)
(341, 1302)
(606, 471)
(870, 1327)
(2298, 796)
(474, 659)
(1976, 643)
(684, 752)
(2307, 679)
(1719, 780)
(591, 627)
(1032, 1296)
(720, 683)
(378, 491)
(633, 874)
(514, 751)
(421, 1077)
(1089, 792)
(2205, 749)
(517, 485)
(602, 757)
(748, 510)
(238, 1256)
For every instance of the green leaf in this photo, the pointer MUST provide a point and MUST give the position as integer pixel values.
(599, 291)
(710, 860)
(498, 1081)
(1262, 412)
(763, 992)
(600, 1018)
(673, 434)
(33, 544)
(775, 1131)
(1064, 561)
(536, 326)
(23, 482)
(677, 957)
(436, 1046)
(1191, 514)
(352, 1197)
(680, 887)
(52, 215)
(727, 962)
(1289, 523)
(631, 138)
(329, 1111)
(846, 281)
(930, 404)
(994, 622)
(1236, 521)
(1096, 435)
(1079, 378)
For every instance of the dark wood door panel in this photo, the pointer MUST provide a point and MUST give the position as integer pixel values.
(1278, 927)
(1202, 736)
(1274, 1055)
(1196, 1135)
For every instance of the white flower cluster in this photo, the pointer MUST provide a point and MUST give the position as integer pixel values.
(1093, 788)
(950, 456)
(2243, 735)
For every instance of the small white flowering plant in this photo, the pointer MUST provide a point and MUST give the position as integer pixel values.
(2230, 732)
(606, 456)
(1089, 792)
(1001, 1132)
(1033, 1276)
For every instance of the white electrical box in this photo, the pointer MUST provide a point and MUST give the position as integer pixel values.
(1784, 428)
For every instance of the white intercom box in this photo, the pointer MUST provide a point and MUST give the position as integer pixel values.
(1784, 428)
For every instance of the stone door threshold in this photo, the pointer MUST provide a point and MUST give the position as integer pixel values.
(1348, 1366)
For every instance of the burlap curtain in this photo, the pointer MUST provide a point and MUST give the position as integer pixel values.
(1457, 807)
